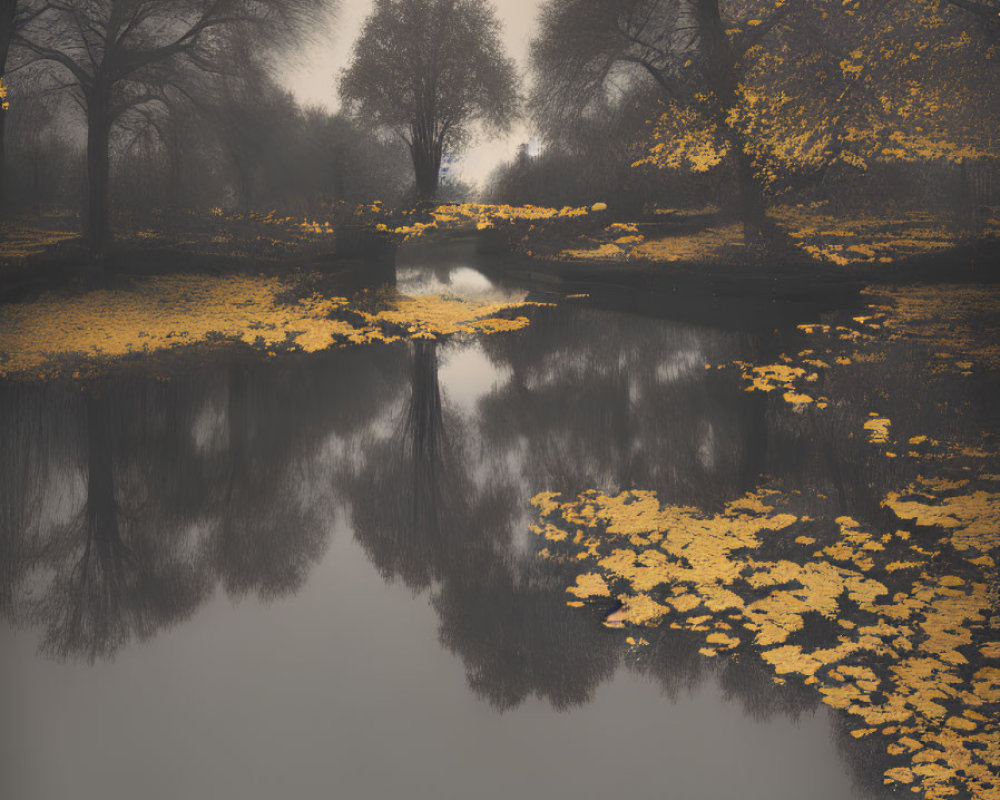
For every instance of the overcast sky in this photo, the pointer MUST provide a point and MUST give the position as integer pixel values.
(312, 77)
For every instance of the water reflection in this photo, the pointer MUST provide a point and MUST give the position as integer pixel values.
(134, 495)
(612, 402)
(173, 483)
(129, 500)
(404, 494)
(96, 562)
(264, 537)
(429, 271)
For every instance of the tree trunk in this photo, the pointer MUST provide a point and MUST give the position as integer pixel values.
(426, 154)
(752, 204)
(723, 77)
(175, 194)
(98, 230)
(243, 191)
(7, 10)
(3, 183)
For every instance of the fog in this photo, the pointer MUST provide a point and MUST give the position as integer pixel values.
(312, 75)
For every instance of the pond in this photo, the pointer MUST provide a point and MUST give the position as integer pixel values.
(607, 552)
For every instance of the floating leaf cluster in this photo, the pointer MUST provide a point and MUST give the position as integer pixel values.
(903, 638)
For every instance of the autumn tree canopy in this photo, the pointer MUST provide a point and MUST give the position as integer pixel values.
(687, 47)
(426, 70)
(779, 91)
(850, 83)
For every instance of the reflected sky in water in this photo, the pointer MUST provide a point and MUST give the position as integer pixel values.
(344, 690)
(422, 271)
(312, 575)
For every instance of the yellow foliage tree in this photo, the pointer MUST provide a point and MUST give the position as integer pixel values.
(782, 89)
(844, 82)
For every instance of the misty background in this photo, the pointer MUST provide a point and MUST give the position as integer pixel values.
(311, 75)
(133, 118)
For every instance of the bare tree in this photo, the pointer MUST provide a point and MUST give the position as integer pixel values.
(121, 55)
(13, 15)
(425, 70)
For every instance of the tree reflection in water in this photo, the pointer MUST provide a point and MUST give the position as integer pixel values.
(21, 475)
(401, 515)
(264, 537)
(115, 567)
(426, 511)
(206, 478)
(632, 406)
(417, 507)
(132, 496)
(126, 503)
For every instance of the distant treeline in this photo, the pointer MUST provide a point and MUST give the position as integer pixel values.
(119, 108)
(255, 149)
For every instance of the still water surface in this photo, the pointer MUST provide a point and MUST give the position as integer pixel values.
(313, 576)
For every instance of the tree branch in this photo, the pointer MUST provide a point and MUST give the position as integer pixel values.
(56, 56)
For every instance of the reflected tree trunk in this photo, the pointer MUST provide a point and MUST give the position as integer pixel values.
(401, 514)
(239, 424)
(425, 430)
(103, 568)
(619, 425)
(123, 567)
(20, 476)
(266, 537)
(753, 422)
(93, 619)
(102, 509)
